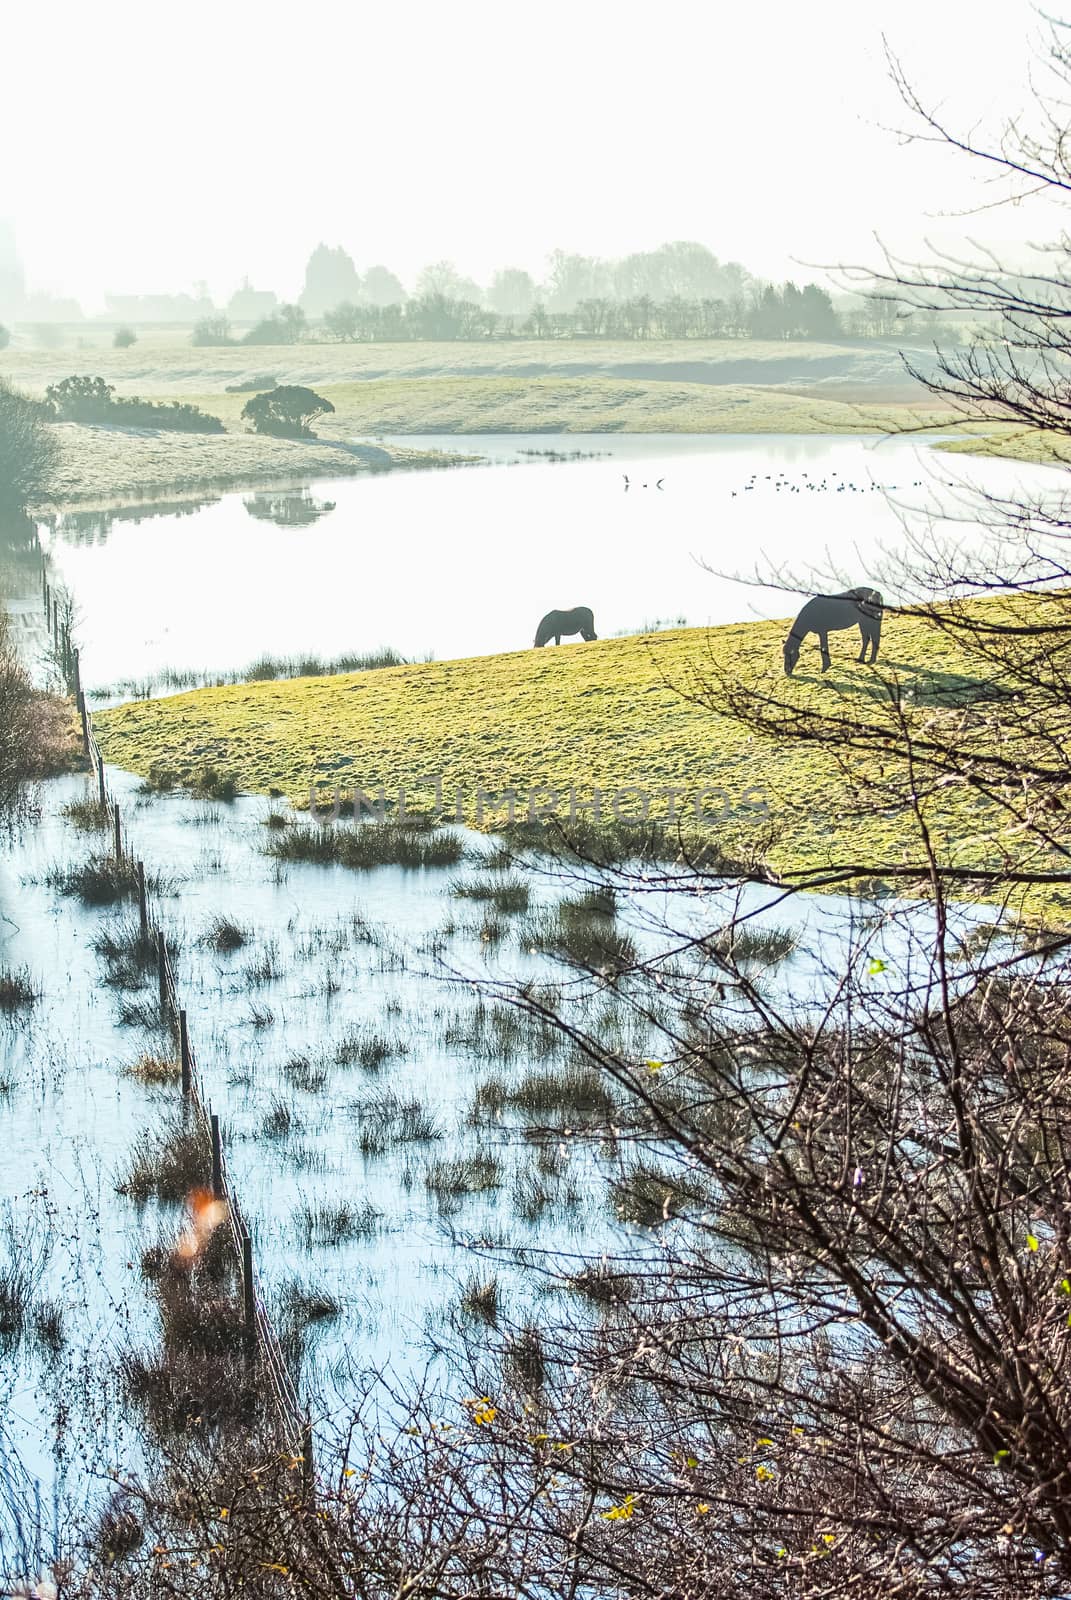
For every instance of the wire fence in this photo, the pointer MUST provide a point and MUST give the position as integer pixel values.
(262, 1342)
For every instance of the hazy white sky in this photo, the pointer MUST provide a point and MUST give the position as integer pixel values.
(149, 145)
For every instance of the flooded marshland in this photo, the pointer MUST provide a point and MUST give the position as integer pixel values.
(403, 1139)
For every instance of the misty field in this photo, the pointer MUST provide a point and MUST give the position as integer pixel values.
(611, 715)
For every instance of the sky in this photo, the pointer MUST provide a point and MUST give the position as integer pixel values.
(149, 147)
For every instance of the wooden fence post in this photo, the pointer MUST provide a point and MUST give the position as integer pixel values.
(184, 1053)
(249, 1304)
(117, 823)
(161, 968)
(85, 722)
(143, 902)
(217, 1159)
(307, 1465)
(101, 790)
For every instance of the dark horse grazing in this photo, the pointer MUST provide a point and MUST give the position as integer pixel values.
(555, 623)
(826, 613)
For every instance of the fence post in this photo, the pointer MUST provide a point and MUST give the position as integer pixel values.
(306, 1460)
(161, 968)
(117, 823)
(249, 1305)
(184, 1053)
(101, 790)
(143, 901)
(48, 607)
(217, 1159)
(85, 722)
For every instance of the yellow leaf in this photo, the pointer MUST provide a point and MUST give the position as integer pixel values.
(224, 1513)
(622, 1512)
(654, 1066)
(1031, 1241)
(701, 1509)
(763, 1473)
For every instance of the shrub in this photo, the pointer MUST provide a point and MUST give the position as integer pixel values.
(124, 338)
(286, 411)
(27, 448)
(81, 398)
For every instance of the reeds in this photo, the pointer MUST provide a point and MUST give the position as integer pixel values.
(17, 989)
(168, 1165)
(369, 844)
(99, 881)
(326, 1222)
(507, 892)
(223, 934)
(385, 1121)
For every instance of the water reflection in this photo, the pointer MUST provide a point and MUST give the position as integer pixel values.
(94, 527)
(288, 509)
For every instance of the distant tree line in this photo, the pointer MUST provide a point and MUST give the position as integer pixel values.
(679, 291)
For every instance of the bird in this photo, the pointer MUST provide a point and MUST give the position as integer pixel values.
(625, 476)
(660, 482)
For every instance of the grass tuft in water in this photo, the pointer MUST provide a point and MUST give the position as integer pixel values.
(100, 881)
(479, 1300)
(385, 1122)
(88, 816)
(280, 1121)
(17, 989)
(649, 1198)
(369, 844)
(128, 954)
(223, 934)
(507, 893)
(167, 1165)
(155, 1071)
(368, 1049)
(328, 1222)
(475, 1174)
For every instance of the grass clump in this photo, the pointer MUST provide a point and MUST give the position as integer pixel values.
(476, 1174)
(301, 1305)
(769, 945)
(577, 1091)
(280, 1121)
(100, 881)
(506, 892)
(369, 844)
(167, 1165)
(480, 1300)
(223, 934)
(602, 1285)
(88, 816)
(649, 1198)
(128, 954)
(368, 1049)
(301, 1071)
(328, 1222)
(385, 1121)
(155, 1071)
(17, 989)
(581, 936)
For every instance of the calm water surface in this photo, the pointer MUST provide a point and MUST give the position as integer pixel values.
(465, 561)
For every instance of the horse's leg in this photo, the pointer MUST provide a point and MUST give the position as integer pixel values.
(823, 645)
(557, 638)
(865, 636)
(875, 640)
